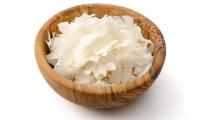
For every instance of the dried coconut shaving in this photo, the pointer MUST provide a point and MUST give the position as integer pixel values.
(100, 52)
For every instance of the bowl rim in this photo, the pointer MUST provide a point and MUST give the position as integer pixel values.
(116, 89)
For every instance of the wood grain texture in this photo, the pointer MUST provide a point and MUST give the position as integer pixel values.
(100, 97)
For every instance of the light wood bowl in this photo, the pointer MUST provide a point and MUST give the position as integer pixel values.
(100, 97)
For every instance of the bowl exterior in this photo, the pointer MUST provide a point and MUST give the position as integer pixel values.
(100, 97)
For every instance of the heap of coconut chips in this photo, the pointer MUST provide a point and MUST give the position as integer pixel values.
(99, 52)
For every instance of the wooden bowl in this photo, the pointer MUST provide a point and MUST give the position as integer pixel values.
(100, 97)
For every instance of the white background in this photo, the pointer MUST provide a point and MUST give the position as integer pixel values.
(24, 94)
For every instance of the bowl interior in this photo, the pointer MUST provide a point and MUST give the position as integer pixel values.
(148, 29)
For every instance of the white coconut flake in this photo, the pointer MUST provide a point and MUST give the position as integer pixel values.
(100, 51)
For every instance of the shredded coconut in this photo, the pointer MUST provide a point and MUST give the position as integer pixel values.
(100, 51)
